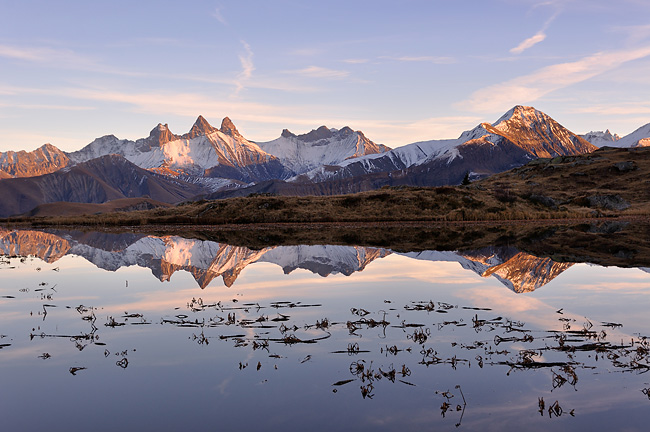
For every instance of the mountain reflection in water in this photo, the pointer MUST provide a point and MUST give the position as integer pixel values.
(410, 341)
(207, 260)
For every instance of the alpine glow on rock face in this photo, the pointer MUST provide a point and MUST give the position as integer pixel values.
(210, 162)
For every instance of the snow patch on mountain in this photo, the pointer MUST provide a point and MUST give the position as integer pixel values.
(395, 159)
(638, 138)
(204, 147)
(323, 259)
(600, 138)
(323, 146)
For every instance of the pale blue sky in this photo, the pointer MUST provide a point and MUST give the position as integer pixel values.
(71, 71)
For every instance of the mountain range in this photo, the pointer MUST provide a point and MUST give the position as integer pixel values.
(207, 260)
(211, 163)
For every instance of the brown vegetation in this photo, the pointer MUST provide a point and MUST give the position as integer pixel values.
(605, 183)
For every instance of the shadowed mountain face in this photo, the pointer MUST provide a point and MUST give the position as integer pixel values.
(96, 181)
(207, 260)
(214, 163)
(519, 136)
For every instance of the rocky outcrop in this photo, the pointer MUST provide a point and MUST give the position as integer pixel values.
(44, 160)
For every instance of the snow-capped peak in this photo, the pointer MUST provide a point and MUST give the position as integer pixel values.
(322, 146)
(203, 151)
(638, 138)
(600, 138)
(520, 115)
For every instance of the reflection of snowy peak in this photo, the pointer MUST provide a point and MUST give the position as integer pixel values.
(47, 247)
(323, 146)
(204, 260)
(323, 259)
(207, 260)
(517, 270)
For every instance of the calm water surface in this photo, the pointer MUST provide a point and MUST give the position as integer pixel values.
(124, 332)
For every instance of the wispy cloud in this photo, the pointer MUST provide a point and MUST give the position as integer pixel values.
(216, 13)
(264, 120)
(21, 139)
(531, 87)
(65, 59)
(397, 133)
(45, 55)
(320, 72)
(528, 43)
(246, 60)
(59, 107)
(536, 38)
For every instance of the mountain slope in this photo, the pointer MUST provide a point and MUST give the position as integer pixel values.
(96, 181)
(43, 160)
(600, 138)
(323, 146)
(638, 138)
(519, 136)
(204, 151)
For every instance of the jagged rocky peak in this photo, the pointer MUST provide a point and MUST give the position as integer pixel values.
(346, 131)
(200, 127)
(228, 128)
(161, 135)
(286, 133)
(321, 133)
(43, 160)
(600, 138)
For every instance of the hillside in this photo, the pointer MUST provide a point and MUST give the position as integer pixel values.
(96, 181)
(608, 182)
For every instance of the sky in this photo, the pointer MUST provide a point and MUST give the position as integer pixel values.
(401, 72)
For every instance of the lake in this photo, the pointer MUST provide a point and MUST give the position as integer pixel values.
(105, 331)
